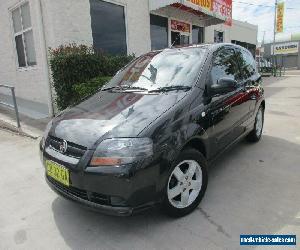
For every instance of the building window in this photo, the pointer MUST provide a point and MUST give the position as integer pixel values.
(159, 32)
(218, 37)
(108, 27)
(198, 34)
(23, 35)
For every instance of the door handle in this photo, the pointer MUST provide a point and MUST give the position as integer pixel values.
(247, 88)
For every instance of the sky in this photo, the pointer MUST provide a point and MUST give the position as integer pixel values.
(258, 12)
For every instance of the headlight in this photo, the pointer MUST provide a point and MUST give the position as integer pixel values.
(119, 151)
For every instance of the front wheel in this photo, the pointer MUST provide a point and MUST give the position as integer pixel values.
(255, 134)
(186, 184)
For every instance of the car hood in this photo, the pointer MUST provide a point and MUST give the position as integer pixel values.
(111, 114)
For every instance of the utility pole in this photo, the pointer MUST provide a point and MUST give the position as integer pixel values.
(275, 11)
(263, 45)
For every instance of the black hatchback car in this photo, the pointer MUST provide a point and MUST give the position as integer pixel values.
(148, 136)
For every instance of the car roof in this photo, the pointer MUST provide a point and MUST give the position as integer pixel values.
(208, 46)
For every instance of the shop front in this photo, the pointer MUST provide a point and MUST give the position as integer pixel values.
(175, 23)
(180, 32)
(285, 54)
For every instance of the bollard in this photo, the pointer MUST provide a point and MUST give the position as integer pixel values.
(15, 105)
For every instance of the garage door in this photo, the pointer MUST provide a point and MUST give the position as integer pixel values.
(290, 61)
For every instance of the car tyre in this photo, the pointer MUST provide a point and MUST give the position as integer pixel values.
(256, 133)
(187, 183)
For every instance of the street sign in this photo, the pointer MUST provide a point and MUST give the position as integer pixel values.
(280, 16)
(286, 48)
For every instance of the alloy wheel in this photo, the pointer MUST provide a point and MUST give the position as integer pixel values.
(184, 184)
(259, 122)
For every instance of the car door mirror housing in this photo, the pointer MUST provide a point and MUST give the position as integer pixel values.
(224, 85)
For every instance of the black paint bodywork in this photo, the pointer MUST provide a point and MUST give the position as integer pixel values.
(173, 120)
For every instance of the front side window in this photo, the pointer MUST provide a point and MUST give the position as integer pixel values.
(23, 35)
(108, 27)
(161, 69)
(224, 65)
(246, 63)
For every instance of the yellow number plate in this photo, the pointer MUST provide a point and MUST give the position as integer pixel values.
(58, 172)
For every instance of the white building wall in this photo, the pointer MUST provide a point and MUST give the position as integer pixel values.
(69, 21)
(138, 26)
(30, 83)
(240, 31)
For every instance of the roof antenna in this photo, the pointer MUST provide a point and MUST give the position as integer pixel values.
(174, 42)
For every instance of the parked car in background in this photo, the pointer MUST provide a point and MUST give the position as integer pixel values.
(149, 135)
(264, 66)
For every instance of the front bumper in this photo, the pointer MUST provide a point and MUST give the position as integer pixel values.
(86, 202)
(106, 209)
(113, 191)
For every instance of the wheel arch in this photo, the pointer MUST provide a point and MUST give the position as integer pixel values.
(263, 104)
(197, 144)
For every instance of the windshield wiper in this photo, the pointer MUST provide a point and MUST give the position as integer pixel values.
(128, 87)
(125, 87)
(171, 88)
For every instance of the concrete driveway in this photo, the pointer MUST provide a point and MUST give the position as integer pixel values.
(252, 189)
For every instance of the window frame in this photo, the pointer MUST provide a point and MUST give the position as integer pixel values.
(22, 32)
(124, 5)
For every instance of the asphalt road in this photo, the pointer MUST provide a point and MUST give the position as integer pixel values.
(253, 189)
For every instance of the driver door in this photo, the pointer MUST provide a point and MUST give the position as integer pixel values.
(225, 109)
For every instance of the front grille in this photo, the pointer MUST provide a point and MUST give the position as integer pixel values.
(73, 150)
(80, 193)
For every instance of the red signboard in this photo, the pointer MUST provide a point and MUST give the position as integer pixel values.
(223, 8)
(206, 4)
(220, 7)
(180, 26)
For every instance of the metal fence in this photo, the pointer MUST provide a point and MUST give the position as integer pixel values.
(14, 106)
(272, 71)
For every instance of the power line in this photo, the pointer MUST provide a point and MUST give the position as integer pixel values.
(252, 4)
(259, 5)
(294, 28)
(291, 27)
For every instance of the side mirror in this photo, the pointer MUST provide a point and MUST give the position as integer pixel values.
(223, 86)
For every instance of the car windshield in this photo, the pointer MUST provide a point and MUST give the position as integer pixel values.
(160, 70)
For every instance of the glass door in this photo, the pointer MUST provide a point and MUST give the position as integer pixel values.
(184, 39)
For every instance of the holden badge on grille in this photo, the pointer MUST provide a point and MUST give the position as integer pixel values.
(63, 146)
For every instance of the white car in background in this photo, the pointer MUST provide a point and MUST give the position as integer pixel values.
(264, 66)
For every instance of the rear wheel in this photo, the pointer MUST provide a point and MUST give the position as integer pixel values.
(256, 133)
(186, 184)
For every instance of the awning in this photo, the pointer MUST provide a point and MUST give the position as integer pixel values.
(205, 13)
